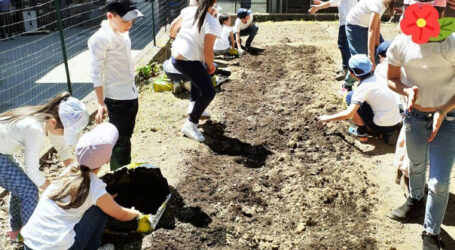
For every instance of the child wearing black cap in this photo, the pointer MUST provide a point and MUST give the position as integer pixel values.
(112, 73)
(244, 26)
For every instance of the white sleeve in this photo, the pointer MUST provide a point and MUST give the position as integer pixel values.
(33, 142)
(97, 188)
(213, 27)
(359, 95)
(236, 28)
(378, 7)
(97, 48)
(334, 3)
(64, 151)
(395, 53)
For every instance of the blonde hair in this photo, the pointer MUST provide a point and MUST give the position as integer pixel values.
(41, 112)
(75, 183)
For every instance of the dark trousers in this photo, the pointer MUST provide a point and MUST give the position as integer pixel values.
(122, 113)
(89, 230)
(202, 90)
(343, 45)
(251, 33)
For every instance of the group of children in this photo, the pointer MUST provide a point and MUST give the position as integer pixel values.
(74, 208)
(417, 80)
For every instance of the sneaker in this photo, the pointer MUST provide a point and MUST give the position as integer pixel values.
(13, 235)
(108, 246)
(432, 242)
(341, 75)
(191, 131)
(361, 137)
(204, 116)
(412, 208)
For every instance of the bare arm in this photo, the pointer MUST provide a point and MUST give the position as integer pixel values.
(232, 40)
(395, 84)
(175, 27)
(343, 115)
(113, 209)
(316, 8)
(373, 36)
(239, 45)
(209, 41)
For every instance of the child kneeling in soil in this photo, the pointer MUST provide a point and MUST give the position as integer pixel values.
(74, 209)
(371, 104)
(225, 45)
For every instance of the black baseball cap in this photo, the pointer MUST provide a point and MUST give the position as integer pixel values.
(126, 9)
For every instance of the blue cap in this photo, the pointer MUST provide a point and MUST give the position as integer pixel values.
(362, 62)
(382, 48)
(242, 13)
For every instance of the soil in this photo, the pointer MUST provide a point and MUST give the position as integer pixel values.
(270, 176)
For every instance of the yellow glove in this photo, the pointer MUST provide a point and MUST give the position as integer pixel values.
(143, 224)
(233, 52)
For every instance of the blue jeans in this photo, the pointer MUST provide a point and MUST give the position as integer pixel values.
(202, 90)
(24, 193)
(343, 45)
(441, 152)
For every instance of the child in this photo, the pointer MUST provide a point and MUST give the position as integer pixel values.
(112, 73)
(344, 6)
(73, 211)
(192, 55)
(25, 129)
(372, 104)
(225, 43)
(244, 26)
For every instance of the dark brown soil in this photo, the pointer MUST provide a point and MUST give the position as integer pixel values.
(274, 177)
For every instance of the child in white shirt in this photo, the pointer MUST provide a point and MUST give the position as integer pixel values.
(225, 42)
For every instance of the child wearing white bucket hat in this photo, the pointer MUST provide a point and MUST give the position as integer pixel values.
(25, 129)
(73, 211)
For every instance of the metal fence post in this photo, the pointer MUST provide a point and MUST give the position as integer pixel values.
(153, 22)
(62, 41)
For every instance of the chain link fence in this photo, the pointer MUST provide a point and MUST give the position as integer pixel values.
(43, 45)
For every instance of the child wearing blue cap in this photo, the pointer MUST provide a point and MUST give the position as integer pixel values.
(371, 104)
(244, 26)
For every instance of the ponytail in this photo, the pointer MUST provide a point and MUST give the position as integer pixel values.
(42, 112)
(74, 184)
(201, 12)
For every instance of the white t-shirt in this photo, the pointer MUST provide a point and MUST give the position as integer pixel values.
(344, 6)
(360, 14)
(238, 25)
(189, 41)
(429, 66)
(111, 63)
(51, 227)
(222, 43)
(381, 74)
(381, 99)
(438, 3)
(28, 135)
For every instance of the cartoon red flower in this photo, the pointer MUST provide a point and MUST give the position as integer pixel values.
(421, 22)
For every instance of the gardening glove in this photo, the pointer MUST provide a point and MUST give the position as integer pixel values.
(143, 224)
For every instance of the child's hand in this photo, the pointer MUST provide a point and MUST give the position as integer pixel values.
(211, 69)
(313, 9)
(412, 97)
(102, 109)
(324, 118)
(317, 2)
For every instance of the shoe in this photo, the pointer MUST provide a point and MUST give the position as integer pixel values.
(191, 131)
(204, 116)
(108, 246)
(361, 137)
(432, 242)
(412, 208)
(341, 75)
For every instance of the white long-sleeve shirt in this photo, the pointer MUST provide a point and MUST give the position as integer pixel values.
(111, 63)
(28, 134)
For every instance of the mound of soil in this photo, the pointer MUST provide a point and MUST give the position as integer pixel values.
(274, 176)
